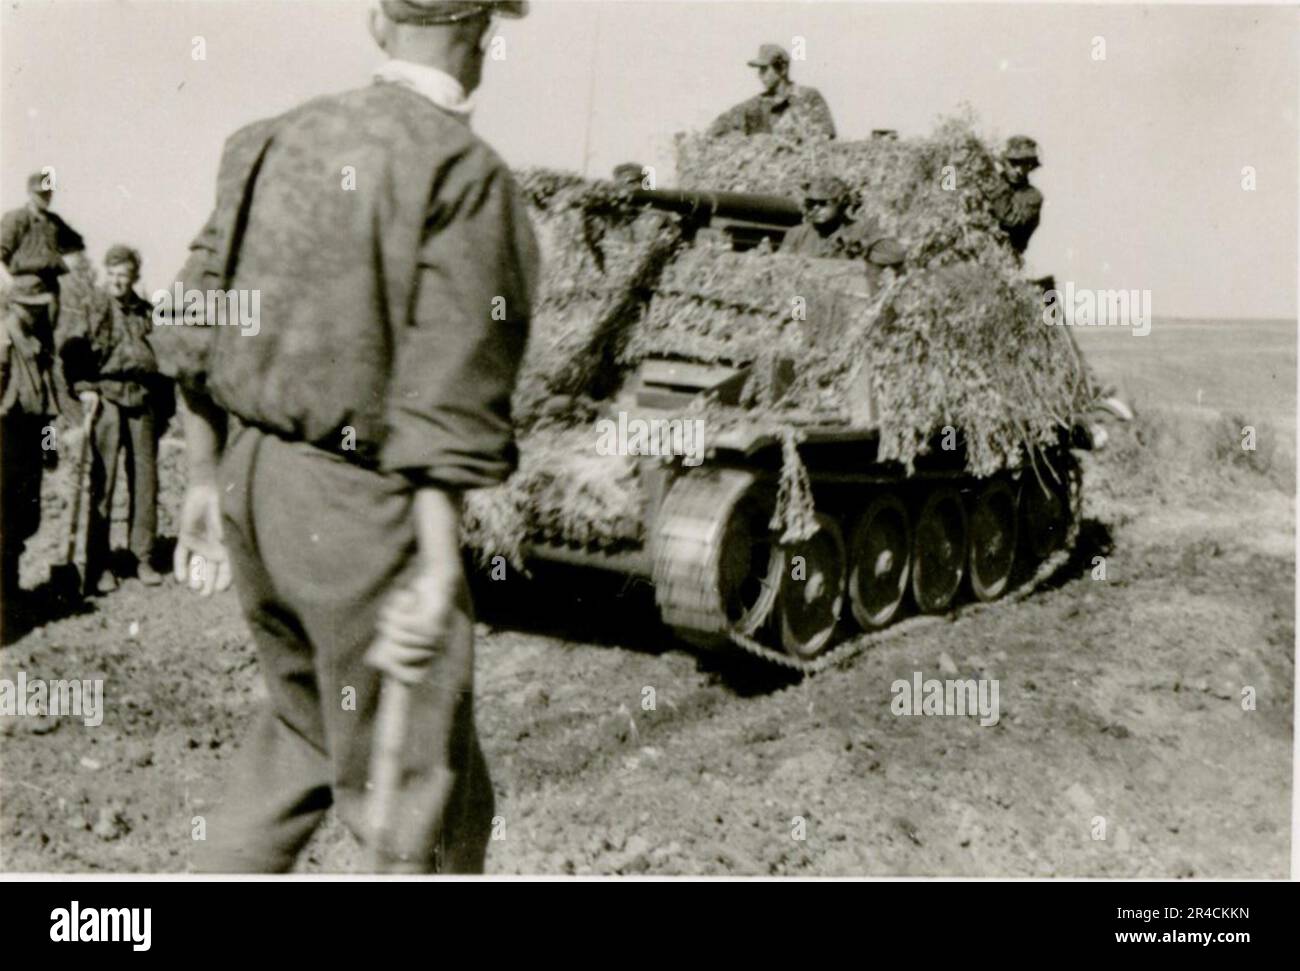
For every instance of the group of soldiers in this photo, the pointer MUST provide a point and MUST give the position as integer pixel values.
(73, 353)
(327, 457)
(828, 231)
(784, 107)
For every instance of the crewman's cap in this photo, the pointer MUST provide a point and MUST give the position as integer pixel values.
(770, 54)
(828, 188)
(432, 13)
(120, 253)
(1021, 148)
(36, 182)
(629, 172)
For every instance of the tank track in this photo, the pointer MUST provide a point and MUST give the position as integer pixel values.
(681, 566)
(694, 525)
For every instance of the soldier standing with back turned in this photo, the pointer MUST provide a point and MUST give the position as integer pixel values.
(328, 452)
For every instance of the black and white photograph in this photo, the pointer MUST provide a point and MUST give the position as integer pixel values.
(625, 439)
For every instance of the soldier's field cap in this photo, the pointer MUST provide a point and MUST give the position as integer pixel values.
(120, 253)
(828, 187)
(432, 13)
(770, 54)
(1021, 148)
(628, 172)
(36, 182)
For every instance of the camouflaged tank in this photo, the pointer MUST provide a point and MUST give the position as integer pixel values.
(723, 421)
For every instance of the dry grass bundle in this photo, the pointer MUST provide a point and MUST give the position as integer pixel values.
(600, 257)
(960, 345)
(963, 346)
(563, 492)
(711, 304)
(932, 193)
(956, 340)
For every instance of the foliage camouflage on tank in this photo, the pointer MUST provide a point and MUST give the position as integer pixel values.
(875, 444)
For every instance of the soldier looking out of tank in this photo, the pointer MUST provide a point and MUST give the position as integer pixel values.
(825, 230)
(828, 232)
(784, 107)
(1017, 204)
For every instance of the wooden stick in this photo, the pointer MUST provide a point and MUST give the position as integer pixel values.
(386, 765)
(78, 474)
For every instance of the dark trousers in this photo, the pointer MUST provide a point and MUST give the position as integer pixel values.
(130, 429)
(315, 545)
(21, 467)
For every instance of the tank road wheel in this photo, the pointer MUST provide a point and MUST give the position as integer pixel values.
(714, 566)
(939, 550)
(880, 557)
(1046, 514)
(994, 521)
(811, 594)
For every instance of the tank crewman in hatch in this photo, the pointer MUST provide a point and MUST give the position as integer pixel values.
(1017, 204)
(328, 453)
(827, 232)
(782, 107)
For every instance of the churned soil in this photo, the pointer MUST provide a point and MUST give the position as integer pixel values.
(1152, 707)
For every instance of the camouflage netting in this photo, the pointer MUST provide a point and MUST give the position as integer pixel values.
(956, 339)
(932, 193)
(600, 258)
(563, 491)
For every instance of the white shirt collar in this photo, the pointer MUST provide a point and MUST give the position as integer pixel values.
(438, 86)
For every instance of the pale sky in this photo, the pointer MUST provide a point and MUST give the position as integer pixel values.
(1143, 151)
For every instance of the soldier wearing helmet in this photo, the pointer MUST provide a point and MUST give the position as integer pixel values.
(1017, 204)
(783, 107)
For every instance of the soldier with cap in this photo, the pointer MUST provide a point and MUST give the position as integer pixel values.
(828, 232)
(1017, 204)
(110, 365)
(329, 452)
(782, 107)
(34, 241)
(629, 175)
(27, 404)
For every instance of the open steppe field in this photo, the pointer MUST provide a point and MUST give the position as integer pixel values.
(1121, 698)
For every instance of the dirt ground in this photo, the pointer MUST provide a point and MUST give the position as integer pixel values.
(1121, 698)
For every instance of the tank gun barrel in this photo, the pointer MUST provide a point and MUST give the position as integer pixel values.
(702, 207)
